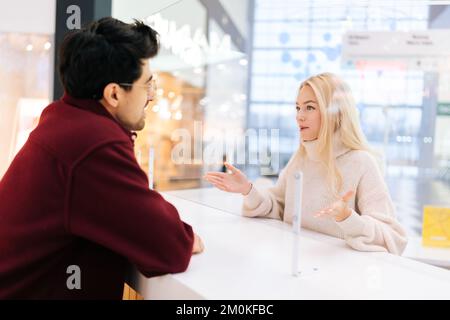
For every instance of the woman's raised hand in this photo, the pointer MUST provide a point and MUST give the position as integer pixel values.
(234, 181)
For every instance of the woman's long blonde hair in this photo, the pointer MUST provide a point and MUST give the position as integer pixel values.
(339, 115)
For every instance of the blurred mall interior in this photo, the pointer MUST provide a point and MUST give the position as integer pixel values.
(229, 67)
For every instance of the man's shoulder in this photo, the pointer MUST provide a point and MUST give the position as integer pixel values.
(70, 132)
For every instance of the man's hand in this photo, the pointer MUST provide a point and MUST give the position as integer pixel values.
(198, 245)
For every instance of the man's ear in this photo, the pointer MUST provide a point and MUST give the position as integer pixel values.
(111, 94)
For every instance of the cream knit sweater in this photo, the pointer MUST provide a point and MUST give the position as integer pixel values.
(372, 225)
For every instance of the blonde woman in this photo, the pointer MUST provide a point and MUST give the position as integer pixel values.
(344, 193)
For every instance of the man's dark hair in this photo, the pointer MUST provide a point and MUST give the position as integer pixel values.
(106, 51)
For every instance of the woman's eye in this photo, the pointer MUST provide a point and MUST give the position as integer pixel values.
(310, 108)
(297, 108)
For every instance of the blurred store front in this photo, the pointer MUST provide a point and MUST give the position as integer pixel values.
(26, 71)
(202, 72)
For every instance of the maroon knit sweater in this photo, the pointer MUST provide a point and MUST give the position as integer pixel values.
(75, 195)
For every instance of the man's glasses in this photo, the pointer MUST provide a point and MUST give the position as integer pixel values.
(151, 88)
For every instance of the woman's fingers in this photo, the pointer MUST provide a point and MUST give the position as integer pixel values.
(209, 176)
(218, 183)
(231, 168)
(215, 180)
(320, 213)
(325, 212)
(216, 174)
(220, 186)
(348, 196)
(336, 207)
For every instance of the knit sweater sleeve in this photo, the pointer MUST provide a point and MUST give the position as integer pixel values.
(266, 203)
(374, 227)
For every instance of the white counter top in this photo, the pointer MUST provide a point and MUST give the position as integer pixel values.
(251, 259)
(232, 203)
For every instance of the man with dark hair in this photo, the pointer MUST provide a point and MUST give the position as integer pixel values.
(75, 207)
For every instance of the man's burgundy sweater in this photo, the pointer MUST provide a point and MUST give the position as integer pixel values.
(75, 196)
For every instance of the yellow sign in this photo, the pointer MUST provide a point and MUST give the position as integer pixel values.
(436, 227)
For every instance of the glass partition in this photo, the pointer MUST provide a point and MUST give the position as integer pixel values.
(229, 74)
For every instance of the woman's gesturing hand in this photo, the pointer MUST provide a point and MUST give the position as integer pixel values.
(338, 210)
(235, 181)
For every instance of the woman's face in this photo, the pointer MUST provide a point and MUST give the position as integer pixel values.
(308, 114)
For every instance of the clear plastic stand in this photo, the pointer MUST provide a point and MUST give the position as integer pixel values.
(296, 222)
(299, 268)
(306, 271)
(151, 167)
